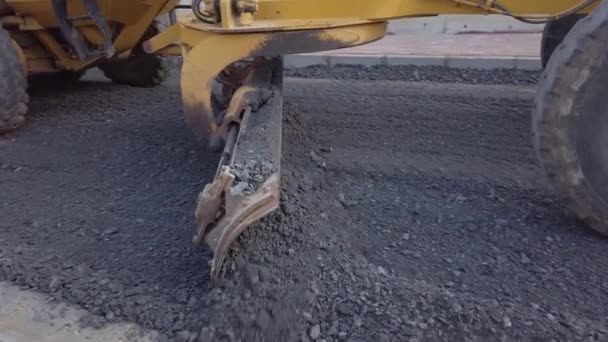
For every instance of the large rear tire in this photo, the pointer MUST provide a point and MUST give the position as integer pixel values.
(140, 69)
(570, 119)
(13, 85)
(554, 33)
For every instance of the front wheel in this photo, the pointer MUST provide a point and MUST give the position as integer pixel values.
(13, 85)
(140, 69)
(570, 119)
(554, 33)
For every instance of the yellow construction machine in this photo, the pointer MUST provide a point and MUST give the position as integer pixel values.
(231, 81)
(66, 37)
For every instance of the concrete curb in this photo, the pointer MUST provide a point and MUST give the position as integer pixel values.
(461, 62)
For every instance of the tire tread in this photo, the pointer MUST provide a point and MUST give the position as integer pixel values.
(551, 126)
(140, 70)
(13, 86)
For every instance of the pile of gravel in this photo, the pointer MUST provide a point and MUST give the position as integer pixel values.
(297, 275)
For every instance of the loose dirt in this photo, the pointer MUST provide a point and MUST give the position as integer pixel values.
(411, 211)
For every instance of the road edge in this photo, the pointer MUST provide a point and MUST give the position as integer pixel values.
(459, 62)
(28, 315)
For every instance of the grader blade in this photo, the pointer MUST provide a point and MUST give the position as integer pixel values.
(246, 186)
(231, 91)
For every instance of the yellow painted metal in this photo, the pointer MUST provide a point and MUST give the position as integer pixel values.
(30, 24)
(130, 19)
(37, 57)
(131, 34)
(291, 26)
(270, 26)
(124, 12)
(281, 15)
(275, 15)
(389, 9)
(63, 60)
(208, 53)
(11, 21)
(169, 6)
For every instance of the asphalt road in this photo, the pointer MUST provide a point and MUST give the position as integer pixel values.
(412, 211)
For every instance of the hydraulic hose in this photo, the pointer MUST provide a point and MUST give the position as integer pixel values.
(495, 7)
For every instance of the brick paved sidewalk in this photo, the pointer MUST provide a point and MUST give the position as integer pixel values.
(487, 45)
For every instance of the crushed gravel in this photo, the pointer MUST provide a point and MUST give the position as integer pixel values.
(417, 74)
(408, 213)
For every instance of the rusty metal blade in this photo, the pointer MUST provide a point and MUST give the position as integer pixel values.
(248, 188)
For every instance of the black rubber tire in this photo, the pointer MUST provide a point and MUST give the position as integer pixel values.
(13, 86)
(140, 69)
(554, 33)
(570, 119)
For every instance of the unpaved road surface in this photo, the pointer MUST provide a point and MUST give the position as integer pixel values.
(412, 211)
(27, 316)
